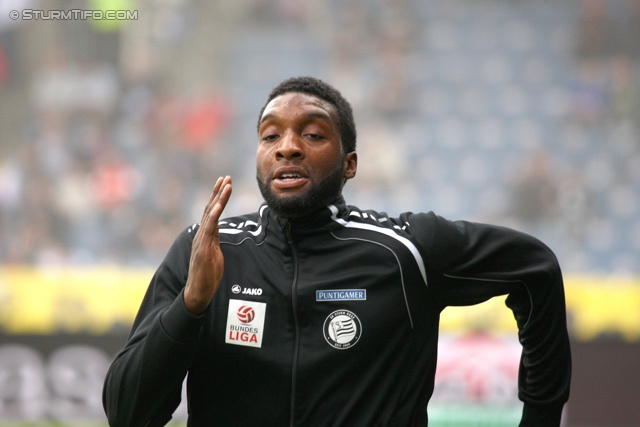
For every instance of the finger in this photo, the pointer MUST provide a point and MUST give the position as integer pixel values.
(212, 198)
(220, 184)
(210, 227)
(223, 199)
(206, 213)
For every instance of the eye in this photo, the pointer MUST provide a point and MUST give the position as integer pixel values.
(270, 137)
(314, 136)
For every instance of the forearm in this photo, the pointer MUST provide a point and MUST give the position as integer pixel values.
(545, 367)
(145, 381)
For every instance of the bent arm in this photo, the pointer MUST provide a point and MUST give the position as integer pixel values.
(474, 262)
(144, 383)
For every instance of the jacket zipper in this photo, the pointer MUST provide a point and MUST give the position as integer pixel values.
(294, 284)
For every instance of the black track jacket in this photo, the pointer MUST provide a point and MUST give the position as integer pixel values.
(332, 320)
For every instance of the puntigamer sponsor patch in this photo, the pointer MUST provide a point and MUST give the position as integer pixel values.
(342, 295)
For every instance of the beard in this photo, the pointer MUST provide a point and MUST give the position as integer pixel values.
(316, 197)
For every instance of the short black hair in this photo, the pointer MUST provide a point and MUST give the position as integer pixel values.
(326, 92)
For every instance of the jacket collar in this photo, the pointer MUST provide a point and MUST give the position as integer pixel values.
(317, 218)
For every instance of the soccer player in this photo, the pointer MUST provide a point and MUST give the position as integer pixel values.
(311, 312)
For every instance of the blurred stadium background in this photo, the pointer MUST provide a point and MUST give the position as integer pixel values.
(112, 132)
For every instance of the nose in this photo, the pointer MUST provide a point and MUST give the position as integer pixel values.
(289, 147)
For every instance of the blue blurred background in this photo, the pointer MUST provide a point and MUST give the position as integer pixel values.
(513, 112)
(113, 132)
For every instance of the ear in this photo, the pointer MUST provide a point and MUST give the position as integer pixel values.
(350, 165)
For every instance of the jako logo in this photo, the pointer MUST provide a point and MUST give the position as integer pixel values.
(236, 289)
(246, 314)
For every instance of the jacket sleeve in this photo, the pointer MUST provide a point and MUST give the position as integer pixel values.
(471, 263)
(144, 383)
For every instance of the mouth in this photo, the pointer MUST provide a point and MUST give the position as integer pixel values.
(289, 177)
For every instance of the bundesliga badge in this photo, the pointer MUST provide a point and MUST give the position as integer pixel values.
(245, 323)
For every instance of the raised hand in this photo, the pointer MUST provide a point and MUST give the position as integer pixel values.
(207, 262)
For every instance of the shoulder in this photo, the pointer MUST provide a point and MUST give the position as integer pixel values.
(229, 226)
(239, 227)
(403, 224)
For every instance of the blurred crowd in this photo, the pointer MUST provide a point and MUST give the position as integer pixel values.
(505, 112)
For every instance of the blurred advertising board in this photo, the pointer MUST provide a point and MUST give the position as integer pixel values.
(59, 330)
(476, 381)
(101, 300)
(70, 300)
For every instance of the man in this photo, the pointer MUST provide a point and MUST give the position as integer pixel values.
(310, 312)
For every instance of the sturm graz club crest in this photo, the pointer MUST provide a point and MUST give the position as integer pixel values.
(342, 329)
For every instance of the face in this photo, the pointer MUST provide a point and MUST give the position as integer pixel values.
(300, 162)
